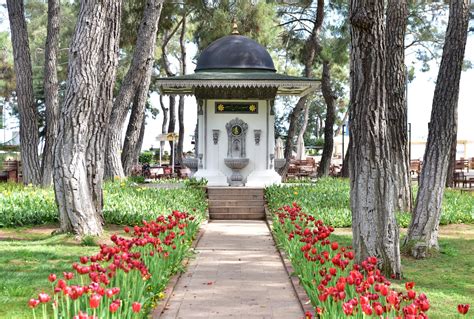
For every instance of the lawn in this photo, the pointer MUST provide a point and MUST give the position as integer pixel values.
(25, 264)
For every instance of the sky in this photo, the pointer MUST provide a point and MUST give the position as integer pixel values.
(420, 96)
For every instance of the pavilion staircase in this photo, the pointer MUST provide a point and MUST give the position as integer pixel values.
(236, 203)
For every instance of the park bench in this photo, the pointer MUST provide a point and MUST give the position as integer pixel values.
(10, 171)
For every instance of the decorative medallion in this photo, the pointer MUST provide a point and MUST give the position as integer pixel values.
(236, 107)
(236, 130)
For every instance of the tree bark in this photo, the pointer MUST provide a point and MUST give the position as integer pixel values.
(172, 123)
(329, 98)
(135, 124)
(77, 169)
(374, 227)
(311, 49)
(142, 60)
(346, 166)
(397, 13)
(164, 110)
(24, 91)
(179, 148)
(51, 91)
(139, 145)
(99, 120)
(423, 231)
(452, 163)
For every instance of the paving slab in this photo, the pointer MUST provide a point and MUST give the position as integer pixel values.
(236, 273)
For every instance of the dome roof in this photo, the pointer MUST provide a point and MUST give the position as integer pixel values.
(235, 52)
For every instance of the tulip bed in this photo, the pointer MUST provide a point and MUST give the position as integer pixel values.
(336, 285)
(332, 199)
(125, 203)
(123, 280)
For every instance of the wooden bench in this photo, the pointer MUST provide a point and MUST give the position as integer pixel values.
(10, 171)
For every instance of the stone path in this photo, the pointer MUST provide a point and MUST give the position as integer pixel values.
(237, 273)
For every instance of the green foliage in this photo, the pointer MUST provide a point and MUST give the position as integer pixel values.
(146, 157)
(89, 241)
(123, 204)
(194, 182)
(256, 21)
(329, 198)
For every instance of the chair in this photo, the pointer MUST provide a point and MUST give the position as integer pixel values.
(459, 179)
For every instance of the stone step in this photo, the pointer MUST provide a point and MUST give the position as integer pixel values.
(241, 198)
(211, 191)
(237, 210)
(236, 216)
(236, 202)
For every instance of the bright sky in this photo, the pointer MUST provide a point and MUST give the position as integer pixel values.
(420, 96)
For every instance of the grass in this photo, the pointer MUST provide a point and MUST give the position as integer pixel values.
(125, 203)
(329, 198)
(26, 263)
(446, 278)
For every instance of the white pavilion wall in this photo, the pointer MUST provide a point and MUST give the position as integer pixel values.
(258, 154)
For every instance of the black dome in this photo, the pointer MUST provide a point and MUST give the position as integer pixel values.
(235, 52)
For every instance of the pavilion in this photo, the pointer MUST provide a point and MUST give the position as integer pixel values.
(235, 84)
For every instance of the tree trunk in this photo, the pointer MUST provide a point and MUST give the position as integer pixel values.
(397, 13)
(374, 227)
(142, 60)
(311, 49)
(329, 98)
(164, 110)
(77, 165)
(423, 231)
(346, 166)
(139, 145)
(51, 92)
(172, 123)
(24, 91)
(99, 121)
(180, 146)
(135, 124)
(452, 163)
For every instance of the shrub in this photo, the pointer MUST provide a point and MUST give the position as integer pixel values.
(146, 157)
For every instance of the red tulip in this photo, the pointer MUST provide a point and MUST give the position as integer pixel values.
(463, 309)
(43, 297)
(348, 308)
(411, 294)
(94, 301)
(52, 277)
(68, 275)
(33, 303)
(308, 315)
(334, 246)
(114, 306)
(409, 285)
(136, 306)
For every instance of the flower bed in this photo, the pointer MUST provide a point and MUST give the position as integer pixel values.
(123, 280)
(338, 287)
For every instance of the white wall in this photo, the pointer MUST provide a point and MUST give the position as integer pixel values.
(214, 154)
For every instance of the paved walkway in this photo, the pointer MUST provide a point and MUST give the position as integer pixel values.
(237, 273)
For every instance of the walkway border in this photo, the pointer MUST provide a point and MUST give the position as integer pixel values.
(173, 282)
(298, 289)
